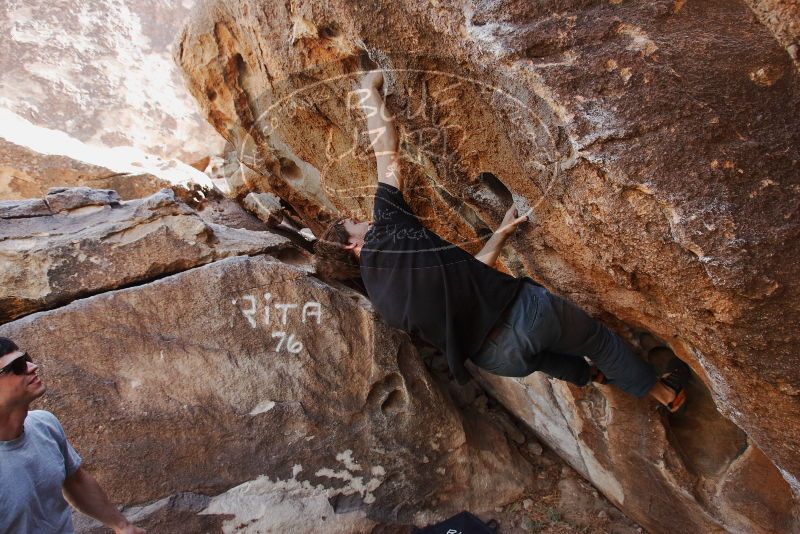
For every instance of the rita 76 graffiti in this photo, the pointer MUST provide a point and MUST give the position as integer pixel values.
(286, 340)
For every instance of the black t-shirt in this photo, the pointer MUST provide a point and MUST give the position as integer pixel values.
(422, 284)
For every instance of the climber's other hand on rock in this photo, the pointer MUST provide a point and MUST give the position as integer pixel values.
(511, 220)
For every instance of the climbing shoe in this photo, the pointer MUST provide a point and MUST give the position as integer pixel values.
(676, 378)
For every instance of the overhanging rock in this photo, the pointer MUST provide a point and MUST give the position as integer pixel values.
(657, 142)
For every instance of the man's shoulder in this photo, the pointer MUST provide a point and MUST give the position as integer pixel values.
(43, 416)
(44, 421)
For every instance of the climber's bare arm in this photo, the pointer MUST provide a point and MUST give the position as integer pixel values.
(491, 250)
(382, 129)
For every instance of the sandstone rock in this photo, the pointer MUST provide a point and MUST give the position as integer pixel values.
(750, 491)
(202, 163)
(282, 399)
(15, 209)
(232, 176)
(579, 505)
(658, 145)
(176, 513)
(782, 17)
(535, 448)
(28, 174)
(61, 199)
(214, 207)
(102, 74)
(81, 241)
(265, 206)
(699, 452)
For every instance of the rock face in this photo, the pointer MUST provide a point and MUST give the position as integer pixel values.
(79, 241)
(231, 175)
(643, 461)
(27, 174)
(101, 73)
(247, 394)
(782, 17)
(658, 145)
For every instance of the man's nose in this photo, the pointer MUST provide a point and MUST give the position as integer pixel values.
(32, 367)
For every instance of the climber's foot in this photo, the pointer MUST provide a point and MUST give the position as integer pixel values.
(675, 378)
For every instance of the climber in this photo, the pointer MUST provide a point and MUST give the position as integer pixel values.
(460, 304)
(39, 469)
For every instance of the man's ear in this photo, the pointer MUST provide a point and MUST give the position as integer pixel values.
(350, 246)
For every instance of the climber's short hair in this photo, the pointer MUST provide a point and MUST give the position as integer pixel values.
(7, 346)
(332, 260)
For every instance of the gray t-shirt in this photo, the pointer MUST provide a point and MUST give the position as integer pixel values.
(32, 470)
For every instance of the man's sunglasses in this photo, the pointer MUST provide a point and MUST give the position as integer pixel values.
(18, 366)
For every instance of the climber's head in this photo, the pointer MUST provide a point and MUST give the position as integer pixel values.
(19, 384)
(339, 248)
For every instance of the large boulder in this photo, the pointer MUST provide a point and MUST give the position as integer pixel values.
(80, 241)
(101, 73)
(644, 461)
(782, 17)
(28, 174)
(658, 144)
(249, 395)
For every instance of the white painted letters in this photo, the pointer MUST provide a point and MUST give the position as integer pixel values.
(250, 312)
(286, 340)
(317, 311)
(285, 307)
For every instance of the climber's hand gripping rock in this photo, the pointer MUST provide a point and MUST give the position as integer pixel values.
(512, 220)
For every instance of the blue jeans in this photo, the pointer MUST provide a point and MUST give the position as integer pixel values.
(544, 332)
